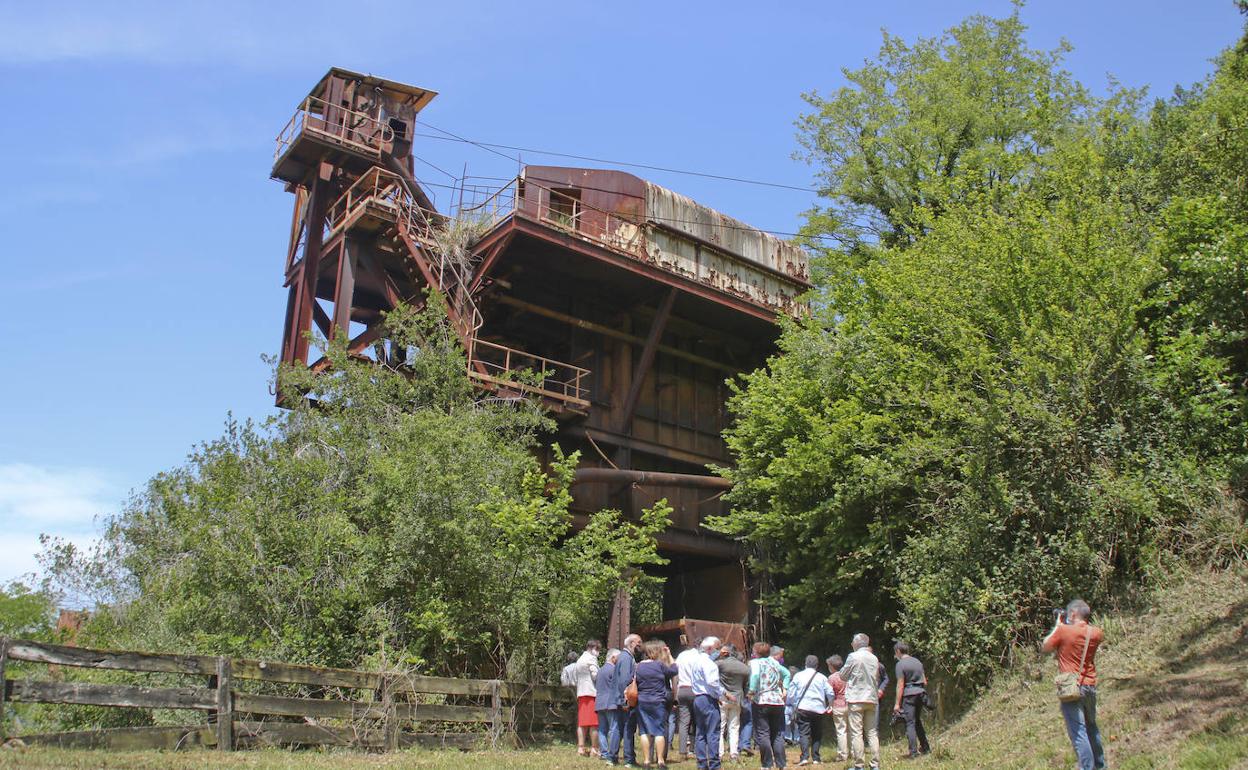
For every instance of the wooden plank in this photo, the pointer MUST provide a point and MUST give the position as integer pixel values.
(542, 714)
(123, 695)
(538, 692)
(59, 655)
(462, 741)
(441, 685)
(127, 738)
(249, 703)
(436, 712)
(254, 734)
(225, 705)
(292, 673)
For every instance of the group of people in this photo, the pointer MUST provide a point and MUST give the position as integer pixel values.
(709, 701)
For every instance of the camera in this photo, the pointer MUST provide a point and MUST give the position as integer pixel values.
(1059, 614)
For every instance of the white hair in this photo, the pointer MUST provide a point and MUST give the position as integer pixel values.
(710, 643)
(612, 653)
(860, 641)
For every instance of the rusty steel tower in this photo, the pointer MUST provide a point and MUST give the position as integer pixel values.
(632, 304)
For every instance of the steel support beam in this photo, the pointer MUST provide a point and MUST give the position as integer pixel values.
(320, 196)
(344, 290)
(607, 331)
(649, 478)
(646, 361)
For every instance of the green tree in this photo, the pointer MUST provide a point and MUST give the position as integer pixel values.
(929, 124)
(25, 613)
(391, 515)
(1008, 398)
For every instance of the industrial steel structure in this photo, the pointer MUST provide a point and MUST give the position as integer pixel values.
(629, 306)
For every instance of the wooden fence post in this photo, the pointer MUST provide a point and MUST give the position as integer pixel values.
(389, 719)
(4, 657)
(496, 713)
(225, 705)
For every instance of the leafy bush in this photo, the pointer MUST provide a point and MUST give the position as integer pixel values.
(389, 518)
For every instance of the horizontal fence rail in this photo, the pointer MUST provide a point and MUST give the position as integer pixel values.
(345, 707)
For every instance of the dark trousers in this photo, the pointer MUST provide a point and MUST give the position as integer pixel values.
(684, 719)
(706, 740)
(628, 730)
(912, 712)
(769, 734)
(810, 734)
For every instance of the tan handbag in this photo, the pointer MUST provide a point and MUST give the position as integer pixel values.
(630, 695)
(1068, 682)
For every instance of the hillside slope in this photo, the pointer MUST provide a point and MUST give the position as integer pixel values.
(1173, 691)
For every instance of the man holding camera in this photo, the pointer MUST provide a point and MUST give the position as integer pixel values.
(1074, 640)
(911, 692)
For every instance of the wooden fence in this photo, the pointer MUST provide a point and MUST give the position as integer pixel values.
(249, 702)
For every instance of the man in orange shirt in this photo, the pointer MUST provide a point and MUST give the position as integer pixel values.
(1075, 642)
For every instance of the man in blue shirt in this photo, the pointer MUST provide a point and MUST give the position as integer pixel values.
(812, 698)
(707, 693)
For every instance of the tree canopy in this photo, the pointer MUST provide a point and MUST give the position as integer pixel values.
(1023, 377)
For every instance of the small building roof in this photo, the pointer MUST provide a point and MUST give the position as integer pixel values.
(414, 95)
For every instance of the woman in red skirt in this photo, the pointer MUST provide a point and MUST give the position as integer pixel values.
(586, 717)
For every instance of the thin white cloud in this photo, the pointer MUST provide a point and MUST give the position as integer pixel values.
(222, 33)
(62, 502)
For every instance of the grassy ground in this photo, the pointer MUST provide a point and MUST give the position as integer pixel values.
(1173, 694)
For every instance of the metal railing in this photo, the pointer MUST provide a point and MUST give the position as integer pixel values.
(376, 187)
(497, 365)
(507, 367)
(570, 215)
(357, 130)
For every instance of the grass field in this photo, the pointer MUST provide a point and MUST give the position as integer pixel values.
(1173, 694)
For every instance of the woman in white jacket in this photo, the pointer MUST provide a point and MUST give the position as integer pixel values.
(586, 717)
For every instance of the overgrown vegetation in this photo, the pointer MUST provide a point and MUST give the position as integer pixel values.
(1024, 375)
(391, 518)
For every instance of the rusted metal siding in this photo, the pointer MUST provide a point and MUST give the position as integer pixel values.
(714, 249)
(734, 237)
(675, 233)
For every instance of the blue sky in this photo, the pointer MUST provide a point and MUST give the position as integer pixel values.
(143, 241)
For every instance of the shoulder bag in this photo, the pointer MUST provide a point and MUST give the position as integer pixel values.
(1067, 682)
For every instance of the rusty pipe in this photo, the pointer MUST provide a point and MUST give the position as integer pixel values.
(649, 478)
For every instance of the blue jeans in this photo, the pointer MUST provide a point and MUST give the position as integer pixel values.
(747, 724)
(1085, 737)
(706, 736)
(610, 723)
(604, 732)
